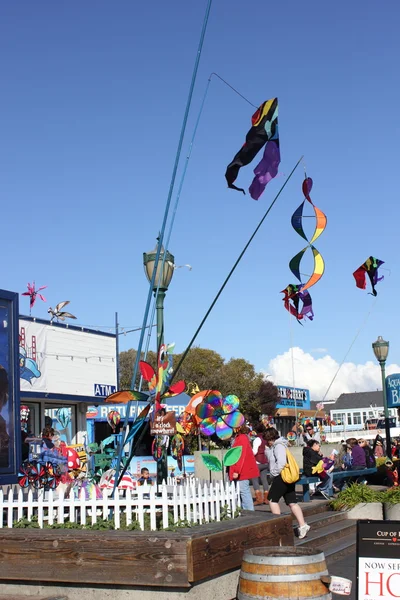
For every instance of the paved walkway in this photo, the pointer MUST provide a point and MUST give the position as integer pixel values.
(345, 567)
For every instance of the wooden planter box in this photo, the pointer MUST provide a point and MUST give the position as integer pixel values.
(130, 558)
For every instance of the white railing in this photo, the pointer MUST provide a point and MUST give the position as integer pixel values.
(174, 504)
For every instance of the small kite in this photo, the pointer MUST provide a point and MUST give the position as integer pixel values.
(296, 293)
(33, 294)
(57, 313)
(370, 268)
(293, 297)
(264, 132)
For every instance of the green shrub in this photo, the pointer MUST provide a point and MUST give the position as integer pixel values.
(390, 496)
(354, 494)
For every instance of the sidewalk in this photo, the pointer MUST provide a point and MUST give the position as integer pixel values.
(345, 567)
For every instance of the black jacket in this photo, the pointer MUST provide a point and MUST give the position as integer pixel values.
(310, 459)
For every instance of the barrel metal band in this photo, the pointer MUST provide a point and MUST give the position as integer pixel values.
(242, 596)
(282, 578)
(283, 560)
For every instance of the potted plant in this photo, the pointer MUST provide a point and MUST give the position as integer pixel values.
(360, 501)
(391, 503)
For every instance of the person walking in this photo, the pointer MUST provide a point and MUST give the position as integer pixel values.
(246, 468)
(276, 454)
(259, 448)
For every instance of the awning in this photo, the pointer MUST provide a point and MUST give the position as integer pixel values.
(290, 412)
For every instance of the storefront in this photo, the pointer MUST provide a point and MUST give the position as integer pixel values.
(294, 403)
(63, 370)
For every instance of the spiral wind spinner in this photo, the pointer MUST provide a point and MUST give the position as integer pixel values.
(297, 299)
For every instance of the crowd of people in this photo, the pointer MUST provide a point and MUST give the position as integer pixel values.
(264, 456)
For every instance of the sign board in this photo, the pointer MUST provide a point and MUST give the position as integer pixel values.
(290, 395)
(163, 424)
(100, 412)
(102, 390)
(56, 359)
(378, 560)
(393, 390)
(10, 429)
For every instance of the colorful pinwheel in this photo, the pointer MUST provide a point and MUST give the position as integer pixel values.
(113, 419)
(296, 293)
(33, 293)
(159, 382)
(219, 415)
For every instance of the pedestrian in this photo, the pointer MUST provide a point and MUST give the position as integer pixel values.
(259, 447)
(246, 468)
(377, 447)
(276, 454)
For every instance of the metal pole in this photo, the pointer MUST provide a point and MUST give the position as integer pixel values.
(117, 347)
(160, 318)
(385, 408)
(162, 465)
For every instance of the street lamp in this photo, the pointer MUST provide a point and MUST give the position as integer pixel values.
(162, 280)
(381, 351)
(163, 277)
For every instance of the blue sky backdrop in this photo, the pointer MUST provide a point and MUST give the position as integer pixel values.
(92, 102)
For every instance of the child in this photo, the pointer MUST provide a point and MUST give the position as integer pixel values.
(313, 465)
(145, 477)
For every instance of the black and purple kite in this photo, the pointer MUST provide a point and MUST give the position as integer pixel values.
(264, 132)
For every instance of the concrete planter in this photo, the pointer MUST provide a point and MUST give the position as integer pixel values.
(391, 511)
(370, 510)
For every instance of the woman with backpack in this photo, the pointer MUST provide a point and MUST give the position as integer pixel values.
(277, 457)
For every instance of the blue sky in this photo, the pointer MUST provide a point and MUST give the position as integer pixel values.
(92, 102)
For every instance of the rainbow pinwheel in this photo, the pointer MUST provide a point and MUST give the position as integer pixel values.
(219, 415)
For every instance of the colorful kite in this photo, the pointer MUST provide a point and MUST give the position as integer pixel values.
(264, 131)
(370, 268)
(33, 294)
(296, 293)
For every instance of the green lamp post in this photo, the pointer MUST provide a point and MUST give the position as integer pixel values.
(161, 281)
(163, 277)
(381, 351)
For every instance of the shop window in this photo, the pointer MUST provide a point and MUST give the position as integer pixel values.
(30, 418)
(63, 419)
(357, 418)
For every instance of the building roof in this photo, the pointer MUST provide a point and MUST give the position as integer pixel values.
(357, 400)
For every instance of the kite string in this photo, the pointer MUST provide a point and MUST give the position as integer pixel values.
(351, 345)
(293, 372)
(213, 303)
(232, 88)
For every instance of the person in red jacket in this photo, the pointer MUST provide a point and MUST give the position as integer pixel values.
(246, 468)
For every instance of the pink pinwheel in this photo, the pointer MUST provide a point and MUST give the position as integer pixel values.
(219, 415)
(33, 293)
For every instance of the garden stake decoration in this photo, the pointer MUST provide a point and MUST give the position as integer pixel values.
(219, 415)
(231, 458)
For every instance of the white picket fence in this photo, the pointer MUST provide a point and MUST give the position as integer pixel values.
(197, 503)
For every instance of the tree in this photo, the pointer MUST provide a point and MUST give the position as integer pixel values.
(126, 364)
(208, 370)
(262, 402)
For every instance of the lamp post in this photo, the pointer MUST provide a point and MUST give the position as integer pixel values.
(164, 279)
(161, 281)
(381, 351)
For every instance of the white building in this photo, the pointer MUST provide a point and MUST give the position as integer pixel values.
(64, 366)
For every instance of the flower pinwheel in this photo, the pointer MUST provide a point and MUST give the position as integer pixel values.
(219, 415)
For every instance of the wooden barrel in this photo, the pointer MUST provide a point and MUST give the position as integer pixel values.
(284, 573)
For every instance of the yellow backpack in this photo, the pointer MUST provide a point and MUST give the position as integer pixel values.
(290, 472)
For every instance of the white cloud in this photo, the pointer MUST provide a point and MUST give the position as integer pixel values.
(319, 350)
(316, 374)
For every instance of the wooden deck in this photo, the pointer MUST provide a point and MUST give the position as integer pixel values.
(130, 558)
